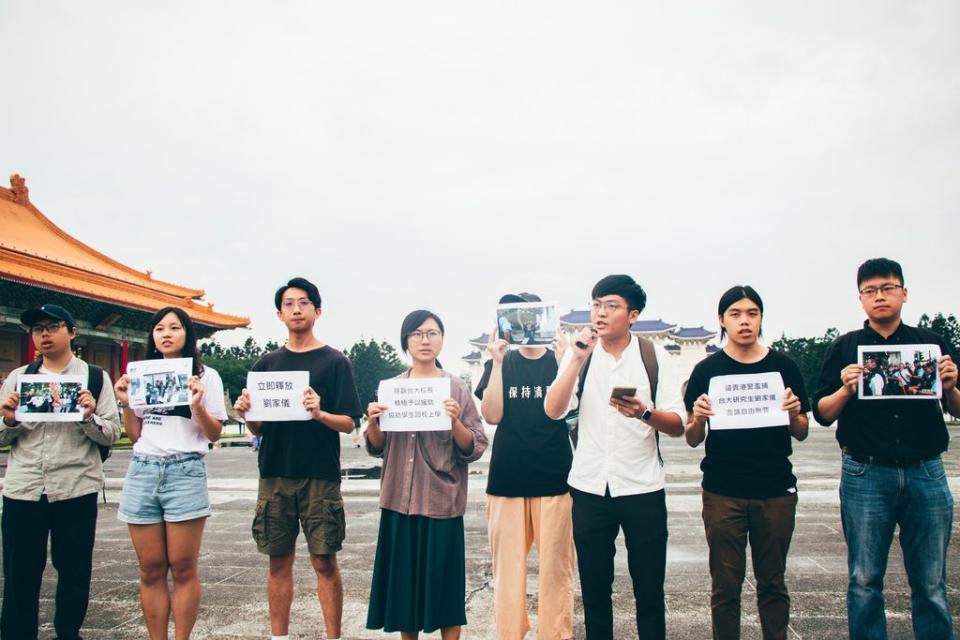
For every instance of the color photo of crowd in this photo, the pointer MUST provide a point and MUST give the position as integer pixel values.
(890, 373)
(50, 397)
(165, 388)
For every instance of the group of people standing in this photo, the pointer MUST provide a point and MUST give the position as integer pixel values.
(571, 502)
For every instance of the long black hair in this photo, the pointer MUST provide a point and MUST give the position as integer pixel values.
(413, 320)
(736, 294)
(190, 349)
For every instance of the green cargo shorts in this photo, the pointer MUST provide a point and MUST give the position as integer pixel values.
(285, 505)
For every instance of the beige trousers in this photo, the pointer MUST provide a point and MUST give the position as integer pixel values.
(513, 526)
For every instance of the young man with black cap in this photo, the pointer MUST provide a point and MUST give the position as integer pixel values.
(627, 392)
(300, 462)
(891, 472)
(54, 474)
(528, 501)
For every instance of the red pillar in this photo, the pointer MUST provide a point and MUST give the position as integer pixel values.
(29, 349)
(124, 356)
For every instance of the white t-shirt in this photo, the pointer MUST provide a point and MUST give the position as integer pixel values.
(163, 433)
(614, 451)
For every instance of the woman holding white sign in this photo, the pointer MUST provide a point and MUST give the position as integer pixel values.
(747, 400)
(164, 500)
(419, 576)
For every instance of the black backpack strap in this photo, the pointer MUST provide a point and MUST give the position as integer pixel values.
(95, 385)
(95, 380)
(648, 354)
(33, 368)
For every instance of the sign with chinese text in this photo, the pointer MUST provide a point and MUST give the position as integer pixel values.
(414, 404)
(747, 401)
(277, 396)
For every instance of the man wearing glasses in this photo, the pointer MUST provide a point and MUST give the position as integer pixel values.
(617, 478)
(300, 462)
(891, 473)
(54, 474)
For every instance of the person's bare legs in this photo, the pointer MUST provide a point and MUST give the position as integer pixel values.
(407, 635)
(280, 593)
(149, 541)
(450, 633)
(329, 591)
(183, 552)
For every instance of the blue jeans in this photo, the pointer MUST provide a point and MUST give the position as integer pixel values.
(873, 500)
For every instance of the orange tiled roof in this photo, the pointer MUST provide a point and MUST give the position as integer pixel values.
(35, 251)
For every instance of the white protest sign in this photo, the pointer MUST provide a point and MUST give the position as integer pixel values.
(414, 405)
(747, 401)
(49, 398)
(277, 396)
(159, 383)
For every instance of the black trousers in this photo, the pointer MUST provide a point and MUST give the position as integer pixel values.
(597, 521)
(26, 525)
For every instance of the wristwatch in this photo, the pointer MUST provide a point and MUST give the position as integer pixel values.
(646, 415)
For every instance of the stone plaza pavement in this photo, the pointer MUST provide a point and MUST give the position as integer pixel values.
(234, 574)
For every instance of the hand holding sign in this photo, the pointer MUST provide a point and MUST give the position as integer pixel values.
(87, 404)
(196, 392)
(791, 403)
(9, 408)
(311, 402)
(702, 408)
(242, 405)
(948, 372)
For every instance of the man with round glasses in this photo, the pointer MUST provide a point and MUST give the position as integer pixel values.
(892, 474)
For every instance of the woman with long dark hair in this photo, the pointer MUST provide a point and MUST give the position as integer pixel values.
(749, 490)
(419, 576)
(164, 500)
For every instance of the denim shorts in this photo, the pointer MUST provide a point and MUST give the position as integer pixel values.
(164, 489)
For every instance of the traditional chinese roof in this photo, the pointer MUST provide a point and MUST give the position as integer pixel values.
(651, 326)
(693, 333)
(576, 317)
(36, 252)
(472, 357)
(672, 348)
(580, 317)
(712, 348)
(482, 340)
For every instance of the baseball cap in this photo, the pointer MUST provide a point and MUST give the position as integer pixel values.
(31, 317)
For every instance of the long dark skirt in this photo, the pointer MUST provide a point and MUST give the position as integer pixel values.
(419, 579)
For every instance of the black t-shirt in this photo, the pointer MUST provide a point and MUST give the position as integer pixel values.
(747, 463)
(894, 428)
(307, 448)
(531, 453)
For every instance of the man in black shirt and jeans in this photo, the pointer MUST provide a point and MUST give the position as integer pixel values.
(528, 501)
(300, 462)
(892, 472)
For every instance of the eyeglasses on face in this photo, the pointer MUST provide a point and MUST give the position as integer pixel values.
(430, 334)
(609, 305)
(302, 303)
(887, 289)
(50, 327)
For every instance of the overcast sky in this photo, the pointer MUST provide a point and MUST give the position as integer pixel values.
(408, 154)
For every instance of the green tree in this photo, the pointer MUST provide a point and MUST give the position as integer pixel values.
(947, 327)
(233, 363)
(372, 362)
(808, 353)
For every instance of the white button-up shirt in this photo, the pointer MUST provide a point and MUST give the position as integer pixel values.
(613, 450)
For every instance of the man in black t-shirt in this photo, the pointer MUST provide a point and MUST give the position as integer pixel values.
(527, 495)
(891, 473)
(300, 462)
